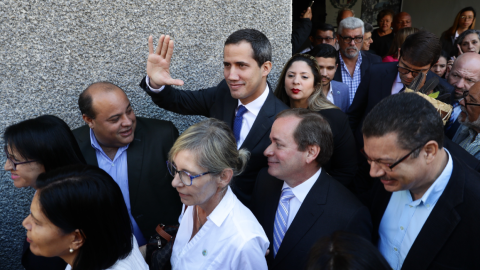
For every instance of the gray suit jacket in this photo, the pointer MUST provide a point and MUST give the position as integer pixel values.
(341, 97)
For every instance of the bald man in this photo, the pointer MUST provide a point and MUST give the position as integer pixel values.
(401, 20)
(134, 151)
(464, 74)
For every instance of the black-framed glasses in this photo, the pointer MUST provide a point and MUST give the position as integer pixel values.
(405, 70)
(185, 177)
(348, 40)
(9, 157)
(322, 39)
(465, 95)
(386, 164)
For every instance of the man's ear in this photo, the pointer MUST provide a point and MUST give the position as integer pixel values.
(431, 151)
(266, 68)
(312, 152)
(311, 39)
(88, 121)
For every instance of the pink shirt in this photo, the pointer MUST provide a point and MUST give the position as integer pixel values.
(389, 58)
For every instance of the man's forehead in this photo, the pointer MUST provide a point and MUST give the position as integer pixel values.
(325, 33)
(323, 61)
(241, 50)
(356, 31)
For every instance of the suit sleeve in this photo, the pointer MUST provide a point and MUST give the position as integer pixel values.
(357, 109)
(183, 101)
(361, 223)
(301, 34)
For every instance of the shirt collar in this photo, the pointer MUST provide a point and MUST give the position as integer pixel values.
(398, 80)
(302, 190)
(255, 106)
(96, 145)
(434, 192)
(223, 209)
(357, 64)
(331, 89)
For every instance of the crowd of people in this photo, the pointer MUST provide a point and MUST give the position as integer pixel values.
(351, 162)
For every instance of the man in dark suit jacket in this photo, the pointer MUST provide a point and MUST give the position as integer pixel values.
(350, 40)
(296, 201)
(134, 152)
(422, 206)
(247, 56)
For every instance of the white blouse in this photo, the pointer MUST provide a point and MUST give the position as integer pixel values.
(231, 238)
(133, 261)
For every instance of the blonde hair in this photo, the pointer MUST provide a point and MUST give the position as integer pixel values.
(317, 101)
(214, 145)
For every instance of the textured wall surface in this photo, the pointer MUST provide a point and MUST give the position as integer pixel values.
(51, 50)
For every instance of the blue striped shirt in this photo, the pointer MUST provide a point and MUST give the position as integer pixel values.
(352, 81)
(118, 170)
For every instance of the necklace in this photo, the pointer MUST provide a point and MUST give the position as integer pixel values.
(198, 219)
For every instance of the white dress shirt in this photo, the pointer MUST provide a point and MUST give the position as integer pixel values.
(300, 193)
(134, 260)
(330, 94)
(404, 218)
(248, 118)
(397, 85)
(231, 238)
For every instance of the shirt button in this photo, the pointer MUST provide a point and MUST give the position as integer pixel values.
(428, 205)
(411, 206)
(401, 228)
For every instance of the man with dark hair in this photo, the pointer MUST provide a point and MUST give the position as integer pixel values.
(401, 20)
(353, 61)
(321, 34)
(244, 100)
(297, 202)
(336, 92)
(418, 53)
(132, 150)
(367, 37)
(422, 206)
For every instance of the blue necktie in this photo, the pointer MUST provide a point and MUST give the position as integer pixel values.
(281, 219)
(237, 123)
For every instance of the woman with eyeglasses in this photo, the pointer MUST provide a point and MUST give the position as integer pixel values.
(216, 230)
(464, 20)
(33, 147)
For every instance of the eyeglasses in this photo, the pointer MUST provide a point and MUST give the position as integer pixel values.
(405, 71)
(386, 164)
(9, 157)
(348, 40)
(465, 95)
(321, 39)
(466, 17)
(184, 176)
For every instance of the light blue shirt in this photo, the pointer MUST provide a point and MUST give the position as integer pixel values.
(118, 170)
(404, 218)
(352, 81)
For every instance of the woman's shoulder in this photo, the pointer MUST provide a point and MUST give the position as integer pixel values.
(245, 223)
(134, 260)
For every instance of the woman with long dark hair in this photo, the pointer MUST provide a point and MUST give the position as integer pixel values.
(464, 20)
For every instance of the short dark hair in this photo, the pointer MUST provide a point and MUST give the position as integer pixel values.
(262, 49)
(313, 129)
(322, 27)
(46, 139)
(85, 99)
(368, 27)
(384, 13)
(342, 251)
(325, 51)
(410, 116)
(86, 198)
(421, 49)
(462, 36)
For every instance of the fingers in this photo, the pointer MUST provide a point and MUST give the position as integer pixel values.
(175, 82)
(459, 49)
(150, 45)
(159, 45)
(165, 44)
(169, 51)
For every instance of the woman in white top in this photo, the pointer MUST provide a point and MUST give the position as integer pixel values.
(78, 214)
(216, 230)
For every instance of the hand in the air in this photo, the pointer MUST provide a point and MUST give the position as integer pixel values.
(158, 63)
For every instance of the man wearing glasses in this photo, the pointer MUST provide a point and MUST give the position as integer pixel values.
(423, 206)
(353, 62)
(322, 34)
(467, 134)
(418, 53)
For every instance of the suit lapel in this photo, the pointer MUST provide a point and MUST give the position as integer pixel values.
(440, 224)
(387, 81)
(134, 164)
(262, 123)
(365, 64)
(275, 185)
(306, 217)
(86, 146)
(229, 107)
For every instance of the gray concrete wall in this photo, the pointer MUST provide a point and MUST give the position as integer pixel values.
(51, 50)
(437, 15)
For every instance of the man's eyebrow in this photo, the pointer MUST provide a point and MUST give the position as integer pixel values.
(119, 114)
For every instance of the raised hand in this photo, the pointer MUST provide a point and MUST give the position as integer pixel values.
(158, 63)
(306, 14)
(460, 52)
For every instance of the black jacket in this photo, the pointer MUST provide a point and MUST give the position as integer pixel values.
(367, 60)
(217, 102)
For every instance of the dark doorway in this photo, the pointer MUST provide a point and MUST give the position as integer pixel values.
(318, 14)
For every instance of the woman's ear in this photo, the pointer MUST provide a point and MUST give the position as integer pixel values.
(225, 177)
(78, 240)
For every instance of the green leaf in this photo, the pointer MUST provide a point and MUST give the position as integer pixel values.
(434, 95)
